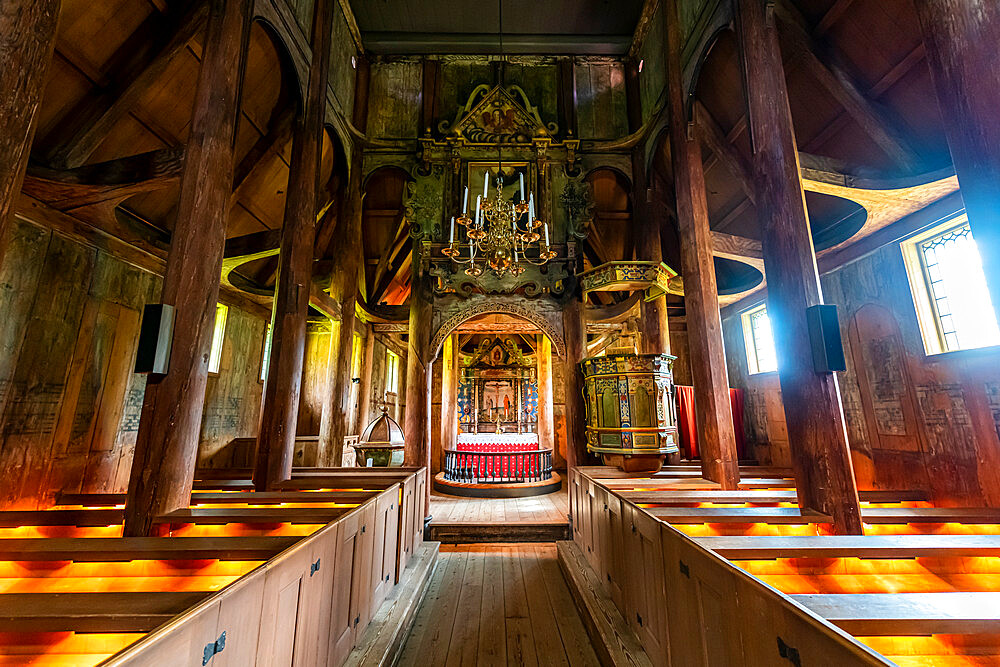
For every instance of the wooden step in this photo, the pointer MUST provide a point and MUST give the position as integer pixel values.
(614, 641)
(847, 546)
(908, 613)
(91, 612)
(110, 549)
(469, 532)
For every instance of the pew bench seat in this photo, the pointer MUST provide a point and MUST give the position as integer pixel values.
(92, 612)
(221, 515)
(864, 614)
(111, 549)
(739, 515)
(848, 546)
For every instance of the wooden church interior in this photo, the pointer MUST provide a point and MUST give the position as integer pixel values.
(721, 386)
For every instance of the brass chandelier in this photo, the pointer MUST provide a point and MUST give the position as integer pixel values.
(497, 238)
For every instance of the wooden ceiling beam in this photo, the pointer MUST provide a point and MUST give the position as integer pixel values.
(135, 68)
(115, 180)
(875, 121)
(385, 259)
(832, 15)
(713, 137)
(278, 134)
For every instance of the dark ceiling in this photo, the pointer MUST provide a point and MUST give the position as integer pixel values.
(555, 27)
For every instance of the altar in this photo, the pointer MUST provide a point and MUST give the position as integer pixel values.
(496, 450)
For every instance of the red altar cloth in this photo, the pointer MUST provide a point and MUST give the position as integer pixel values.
(688, 426)
(485, 466)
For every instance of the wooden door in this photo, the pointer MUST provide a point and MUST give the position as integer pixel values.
(312, 644)
(643, 592)
(283, 588)
(614, 550)
(183, 643)
(363, 565)
(419, 495)
(386, 523)
(343, 606)
(404, 548)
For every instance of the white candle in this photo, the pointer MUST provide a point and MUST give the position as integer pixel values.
(521, 177)
(451, 238)
(531, 213)
(546, 233)
(479, 202)
(465, 204)
(486, 185)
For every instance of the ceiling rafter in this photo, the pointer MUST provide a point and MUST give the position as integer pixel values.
(877, 122)
(134, 69)
(723, 150)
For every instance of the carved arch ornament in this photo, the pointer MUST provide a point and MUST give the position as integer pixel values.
(471, 310)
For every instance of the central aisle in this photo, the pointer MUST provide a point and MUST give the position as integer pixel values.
(493, 604)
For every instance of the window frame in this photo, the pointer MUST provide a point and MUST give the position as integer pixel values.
(925, 305)
(392, 372)
(218, 338)
(750, 341)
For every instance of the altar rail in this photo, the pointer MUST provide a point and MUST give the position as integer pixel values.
(533, 465)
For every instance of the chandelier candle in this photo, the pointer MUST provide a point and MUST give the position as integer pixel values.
(501, 234)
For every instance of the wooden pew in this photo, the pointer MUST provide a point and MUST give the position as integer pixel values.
(109, 549)
(739, 515)
(91, 612)
(853, 546)
(754, 496)
(220, 515)
(208, 497)
(61, 517)
(908, 613)
(693, 484)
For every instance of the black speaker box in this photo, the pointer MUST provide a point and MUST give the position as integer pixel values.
(824, 335)
(155, 337)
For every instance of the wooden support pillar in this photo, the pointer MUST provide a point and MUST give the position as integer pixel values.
(346, 249)
(575, 335)
(713, 410)
(816, 433)
(419, 375)
(280, 409)
(367, 364)
(543, 367)
(449, 393)
(961, 37)
(27, 37)
(166, 448)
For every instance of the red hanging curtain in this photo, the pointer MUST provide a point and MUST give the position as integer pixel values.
(688, 427)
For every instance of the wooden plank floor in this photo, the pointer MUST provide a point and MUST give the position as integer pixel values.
(553, 507)
(494, 604)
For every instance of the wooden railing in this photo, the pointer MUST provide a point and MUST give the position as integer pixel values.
(498, 467)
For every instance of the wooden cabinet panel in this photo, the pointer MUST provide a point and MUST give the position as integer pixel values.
(643, 586)
(343, 604)
(183, 642)
(279, 617)
(239, 618)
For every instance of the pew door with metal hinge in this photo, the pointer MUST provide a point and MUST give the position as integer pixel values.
(279, 623)
(343, 608)
(701, 605)
(383, 572)
(405, 527)
(644, 592)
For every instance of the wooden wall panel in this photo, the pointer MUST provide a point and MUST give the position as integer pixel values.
(315, 389)
(394, 99)
(232, 397)
(914, 421)
(600, 95)
(69, 402)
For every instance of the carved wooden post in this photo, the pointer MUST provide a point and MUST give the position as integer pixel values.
(27, 37)
(546, 428)
(575, 335)
(961, 38)
(347, 250)
(821, 458)
(449, 392)
(713, 410)
(419, 378)
(364, 411)
(280, 408)
(166, 448)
